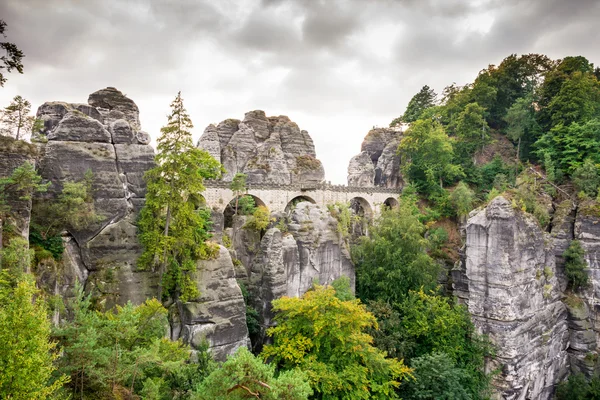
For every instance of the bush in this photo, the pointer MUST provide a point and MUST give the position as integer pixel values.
(586, 178)
(575, 266)
(259, 220)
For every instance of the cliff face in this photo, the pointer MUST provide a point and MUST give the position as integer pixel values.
(103, 137)
(515, 298)
(377, 164)
(267, 149)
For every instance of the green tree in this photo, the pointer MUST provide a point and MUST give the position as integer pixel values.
(426, 154)
(23, 182)
(421, 101)
(325, 337)
(586, 178)
(472, 130)
(521, 123)
(15, 119)
(123, 352)
(12, 59)
(245, 376)
(172, 231)
(27, 354)
(462, 199)
(437, 378)
(260, 219)
(392, 260)
(576, 266)
(238, 186)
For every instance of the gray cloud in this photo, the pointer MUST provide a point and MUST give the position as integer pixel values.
(337, 67)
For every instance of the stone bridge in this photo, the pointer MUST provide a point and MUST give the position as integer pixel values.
(279, 198)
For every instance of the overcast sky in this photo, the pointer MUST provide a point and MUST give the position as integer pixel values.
(337, 68)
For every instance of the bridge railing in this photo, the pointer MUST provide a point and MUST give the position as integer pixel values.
(305, 187)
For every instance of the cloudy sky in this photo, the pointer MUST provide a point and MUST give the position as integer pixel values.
(337, 68)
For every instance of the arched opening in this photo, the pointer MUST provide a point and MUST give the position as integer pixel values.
(390, 203)
(198, 200)
(244, 205)
(362, 209)
(298, 199)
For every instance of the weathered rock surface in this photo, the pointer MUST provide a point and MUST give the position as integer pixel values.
(103, 137)
(219, 315)
(379, 149)
(514, 297)
(288, 263)
(267, 149)
(13, 154)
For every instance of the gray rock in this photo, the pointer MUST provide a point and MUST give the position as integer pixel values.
(209, 141)
(51, 113)
(219, 315)
(387, 170)
(113, 105)
(514, 297)
(361, 171)
(143, 137)
(121, 132)
(376, 141)
(133, 161)
(77, 127)
(258, 121)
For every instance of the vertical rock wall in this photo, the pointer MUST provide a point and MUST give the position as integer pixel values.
(514, 296)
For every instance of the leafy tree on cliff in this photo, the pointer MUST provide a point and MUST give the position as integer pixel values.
(393, 260)
(15, 119)
(472, 131)
(11, 60)
(576, 266)
(238, 186)
(325, 337)
(427, 154)
(172, 231)
(521, 123)
(421, 101)
(245, 376)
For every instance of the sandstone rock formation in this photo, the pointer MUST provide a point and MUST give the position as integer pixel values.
(267, 149)
(514, 296)
(219, 315)
(102, 137)
(377, 164)
(287, 263)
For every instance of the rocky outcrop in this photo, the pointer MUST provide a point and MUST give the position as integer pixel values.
(14, 154)
(103, 137)
(378, 163)
(267, 149)
(218, 316)
(288, 262)
(514, 296)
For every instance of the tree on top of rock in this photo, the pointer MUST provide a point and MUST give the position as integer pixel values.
(15, 119)
(12, 59)
(420, 102)
(173, 230)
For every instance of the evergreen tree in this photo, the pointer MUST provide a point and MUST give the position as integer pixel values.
(172, 231)
(576, 266)
(12, 59)
(421, 101)
(15, 119)
(238, 186)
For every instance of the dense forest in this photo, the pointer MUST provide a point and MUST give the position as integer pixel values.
(527, 129)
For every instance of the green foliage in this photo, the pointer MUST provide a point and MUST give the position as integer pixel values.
(521, 122)
(23, 182)
(245, 376)
(393, 259)
(124, 351)
(427, 154)
(576, 266)
(472, 131)
(245, 205)
(16, 257)
(252, 315)
(15, 119)
(586, 178)
(343, 291)
(343, 214)
(260, 219)
(420, 102)
(437, 378)
(172, 231)
(27, 355)
(462, 199)
(325, 337)
(577, 387)
(12, 59)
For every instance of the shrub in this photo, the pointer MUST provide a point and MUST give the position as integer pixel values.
(575, 266)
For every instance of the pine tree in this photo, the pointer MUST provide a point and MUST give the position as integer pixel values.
(419, 103)
(172, 230)
(16, 120)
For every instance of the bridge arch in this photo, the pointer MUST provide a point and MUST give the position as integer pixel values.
(298, 199)
(230, 208)
(391, 203)
(361, 207)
